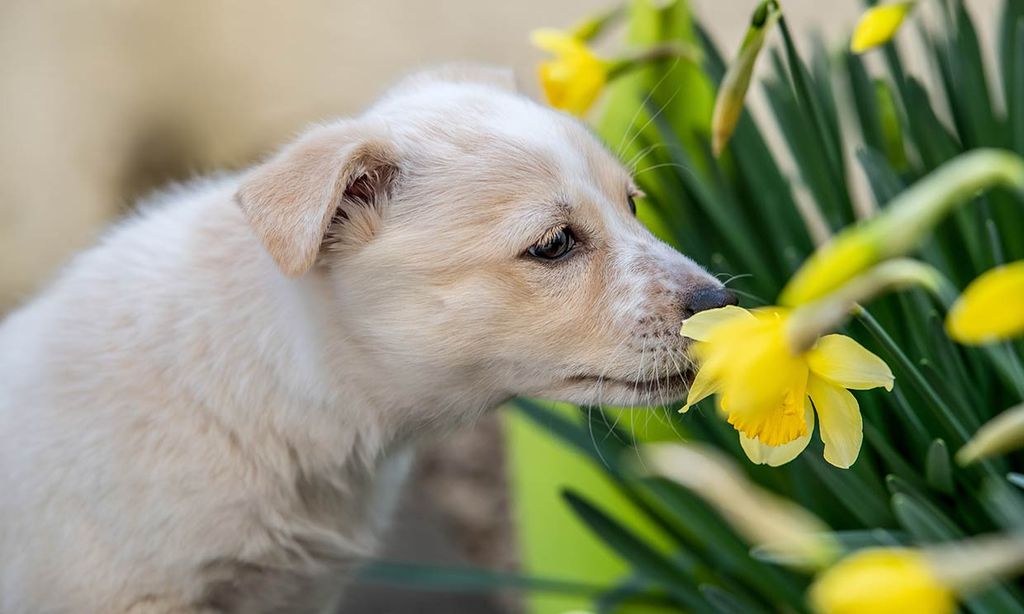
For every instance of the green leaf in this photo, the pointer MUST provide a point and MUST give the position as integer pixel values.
(725, 602)
(865, 504)
(938, 469)
(667, 573)
(925, 522)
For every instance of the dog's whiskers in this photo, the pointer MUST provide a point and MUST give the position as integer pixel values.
(643, 105)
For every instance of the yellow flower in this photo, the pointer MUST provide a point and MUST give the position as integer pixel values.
(766, 389)
(991, 308)
(882, 581)
(575, 76)
(878, 25)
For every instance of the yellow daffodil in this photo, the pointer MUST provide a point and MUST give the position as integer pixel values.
(882, 581)
(901, 580)
(878, 25)
(991, 308)
(733, 89)
(999, 435)
(765, 388)
(575, 76)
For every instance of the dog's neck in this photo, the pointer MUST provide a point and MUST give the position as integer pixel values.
(301, 377)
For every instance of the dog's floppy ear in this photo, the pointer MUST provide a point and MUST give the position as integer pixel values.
(291, 199)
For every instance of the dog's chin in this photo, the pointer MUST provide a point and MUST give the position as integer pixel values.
(596, 390)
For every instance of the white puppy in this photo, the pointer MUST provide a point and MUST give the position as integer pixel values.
(200, 414)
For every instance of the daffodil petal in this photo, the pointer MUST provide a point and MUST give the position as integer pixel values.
(702, 387)
(841, 426)
(999, 435)
(991, 308)
(774, 456)
(844, 362)
(878, 25)
(699, 325)
(553, 41)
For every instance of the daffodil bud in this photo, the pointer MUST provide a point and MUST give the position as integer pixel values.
(763, 518)
(903, 223)
(812, 320)
(733, 89)
(991, 308)
(1001, 434)
(878, 25)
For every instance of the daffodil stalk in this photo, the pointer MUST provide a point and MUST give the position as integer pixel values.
(878, 25)
(763, 518)
(903, 224)
(733, 89)
(1001, 434)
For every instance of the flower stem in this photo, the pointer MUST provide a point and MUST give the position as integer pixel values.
(654, 53)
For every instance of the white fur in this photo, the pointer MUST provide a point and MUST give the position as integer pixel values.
(188, 429)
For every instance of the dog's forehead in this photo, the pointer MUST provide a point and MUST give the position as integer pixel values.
(496, 128)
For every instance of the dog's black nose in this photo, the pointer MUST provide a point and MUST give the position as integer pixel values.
(710, 297)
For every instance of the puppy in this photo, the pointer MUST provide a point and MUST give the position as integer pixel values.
(209, 410)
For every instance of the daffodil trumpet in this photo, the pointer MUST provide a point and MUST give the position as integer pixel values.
(733, 89)
(903, 223)
(575, 76)
(1001, 434)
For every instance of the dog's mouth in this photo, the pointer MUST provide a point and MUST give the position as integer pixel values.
(664, 384)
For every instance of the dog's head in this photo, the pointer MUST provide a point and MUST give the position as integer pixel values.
(477, 243)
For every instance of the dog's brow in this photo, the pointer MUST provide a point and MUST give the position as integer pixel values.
(530, 221)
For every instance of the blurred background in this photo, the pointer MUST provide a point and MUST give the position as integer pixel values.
(106, 100)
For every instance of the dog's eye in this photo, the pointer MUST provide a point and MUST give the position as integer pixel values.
(554, 245)
(632, 203)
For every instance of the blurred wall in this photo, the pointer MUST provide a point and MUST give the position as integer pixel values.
(103, 100)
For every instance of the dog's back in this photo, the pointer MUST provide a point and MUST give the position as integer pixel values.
(114, 382)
